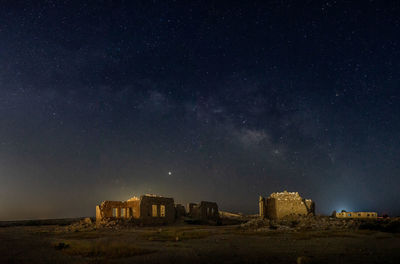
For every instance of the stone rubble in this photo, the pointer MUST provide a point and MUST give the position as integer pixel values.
(299, 223)
(292, 223)
(85, 224)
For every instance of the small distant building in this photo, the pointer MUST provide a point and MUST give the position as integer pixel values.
(149, 209)
(203, 211)
(358, 215)
(281, 204)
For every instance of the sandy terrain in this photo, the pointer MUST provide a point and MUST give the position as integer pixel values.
(194, 244)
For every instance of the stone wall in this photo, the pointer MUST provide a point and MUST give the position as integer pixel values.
(155, 210)
(118, 209)
(163, 216)
(204, 211)
(190, 207)
(281, 204)
(149, 209)
(262, 207)
(180, 211)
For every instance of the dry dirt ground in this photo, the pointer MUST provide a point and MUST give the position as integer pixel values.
(194, 244)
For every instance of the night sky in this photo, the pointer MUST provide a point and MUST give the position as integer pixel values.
(198, 100)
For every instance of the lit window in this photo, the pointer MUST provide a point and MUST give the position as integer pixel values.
(154, 210)
(162, 210)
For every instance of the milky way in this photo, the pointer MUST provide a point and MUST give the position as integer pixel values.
(198, 101)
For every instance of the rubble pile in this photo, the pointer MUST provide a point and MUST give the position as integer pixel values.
(286, 195)
(256, 224)
(88, 224)
(319, 223)
(85, 224)
(118, 223)
(299, 223)
(391, 225)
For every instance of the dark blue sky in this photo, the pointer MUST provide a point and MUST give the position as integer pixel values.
(101, 101)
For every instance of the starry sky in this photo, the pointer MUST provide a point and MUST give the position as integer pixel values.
(198, 100)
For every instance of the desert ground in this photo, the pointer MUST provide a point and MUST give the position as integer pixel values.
(256, 241)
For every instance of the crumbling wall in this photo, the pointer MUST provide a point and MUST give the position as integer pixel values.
(179, 211)
(262, 207)
(118, 209)
(281, 204)
(190, 207)
(150, 209)
(157, 210)
(205, 211)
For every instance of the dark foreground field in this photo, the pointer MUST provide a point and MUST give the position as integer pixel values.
(194, 244)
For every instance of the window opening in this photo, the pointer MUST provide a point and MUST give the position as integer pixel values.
(162, 210)
(154, 210)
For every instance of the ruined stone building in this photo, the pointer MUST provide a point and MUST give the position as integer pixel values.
(364, 215)
(180, 211)
(149, 209)
(281, 204)
(203, 211)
